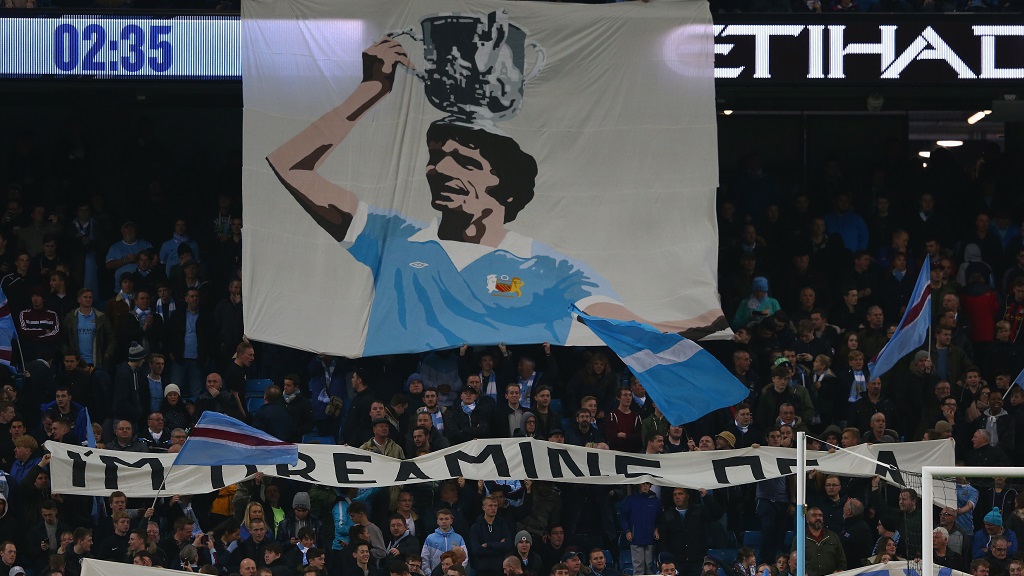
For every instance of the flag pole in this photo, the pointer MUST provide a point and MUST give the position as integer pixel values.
(163, 484)
(801, 495)
(21, 355)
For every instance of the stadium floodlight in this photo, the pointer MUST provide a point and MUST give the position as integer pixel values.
(928, 475)
(949, 143)
(978, 116)
(924, 154)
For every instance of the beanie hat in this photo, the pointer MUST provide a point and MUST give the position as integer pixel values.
(172, 388)
(921, 355)
(760, 284)
(523, 536)
(943, 426)
(136, 352)
(301, 501)
(994, 517)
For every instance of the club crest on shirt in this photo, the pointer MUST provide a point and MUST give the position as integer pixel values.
(504, 286)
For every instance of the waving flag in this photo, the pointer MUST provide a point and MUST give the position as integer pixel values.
(7, 333)
(219, 440)
(913, 328)
(684, 380)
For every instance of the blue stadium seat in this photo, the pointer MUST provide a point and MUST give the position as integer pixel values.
(253, 404)
(315, 439)
(556, 405)
(787, 541)
(725, 556)
(256, 387)
(751, 539)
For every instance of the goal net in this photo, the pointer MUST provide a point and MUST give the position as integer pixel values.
(949, 488)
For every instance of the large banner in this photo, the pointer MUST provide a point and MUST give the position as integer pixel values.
(419, 174)
(895, 568)
(81, 470)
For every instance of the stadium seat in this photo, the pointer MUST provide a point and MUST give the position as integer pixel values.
(556, 405)
(256, 387)
(315, 439)
(751, 539)
(253, 404)
(725, 556)
(787, 542)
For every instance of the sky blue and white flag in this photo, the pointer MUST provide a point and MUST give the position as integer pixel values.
(219, 440)
(913, 328)
(1019, 381)
(7, 333)
(684, 380)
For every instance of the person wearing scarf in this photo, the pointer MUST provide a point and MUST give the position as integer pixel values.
(757, 307)
(142, 324)
(169, 249)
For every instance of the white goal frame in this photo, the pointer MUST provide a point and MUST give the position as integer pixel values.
(928, 498)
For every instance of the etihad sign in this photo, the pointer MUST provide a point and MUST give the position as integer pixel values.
(869, 52)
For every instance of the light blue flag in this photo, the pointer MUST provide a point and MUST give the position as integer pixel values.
(684, 380)
(1019, 381)
(219, 440)
(912, 330)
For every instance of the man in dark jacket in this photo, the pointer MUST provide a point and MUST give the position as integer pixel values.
(468, 421)
(684, 528)
(856, 535)
(299, 407)
(189, 342)
(824, 553)
(273, 417)
(489, 540)
(131, 389)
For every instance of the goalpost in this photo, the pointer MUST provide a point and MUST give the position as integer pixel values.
(928, 476)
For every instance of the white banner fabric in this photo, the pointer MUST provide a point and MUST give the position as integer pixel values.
(90, 471)
(93, 567)
(899, 568)
(540, 155)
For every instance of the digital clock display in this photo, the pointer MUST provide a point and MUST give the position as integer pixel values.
(137, 47)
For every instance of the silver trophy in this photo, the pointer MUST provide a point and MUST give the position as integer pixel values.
(475, 65)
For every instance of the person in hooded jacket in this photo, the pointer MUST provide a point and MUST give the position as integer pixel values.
(527, 427)
(442, 540)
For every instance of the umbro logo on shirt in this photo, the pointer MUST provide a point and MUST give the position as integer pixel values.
(418, 264)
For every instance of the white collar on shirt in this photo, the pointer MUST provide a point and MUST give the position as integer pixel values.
(463, 254)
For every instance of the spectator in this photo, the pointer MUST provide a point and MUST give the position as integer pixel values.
(684, 529)
(985, 538)
(188, 344)
(624, 425)
(299, 407)
(855, 535)
(757, 307)
(442, 540)
(941, 554)
(528, 560)
(273, 417)
(90, 334)
(75, 552)
(470, 419)
(123, 254)
(639, 514)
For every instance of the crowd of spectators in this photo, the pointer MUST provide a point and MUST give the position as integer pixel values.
(135, 315)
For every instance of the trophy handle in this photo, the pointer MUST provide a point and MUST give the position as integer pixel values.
(539, 64)
(411, 33)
